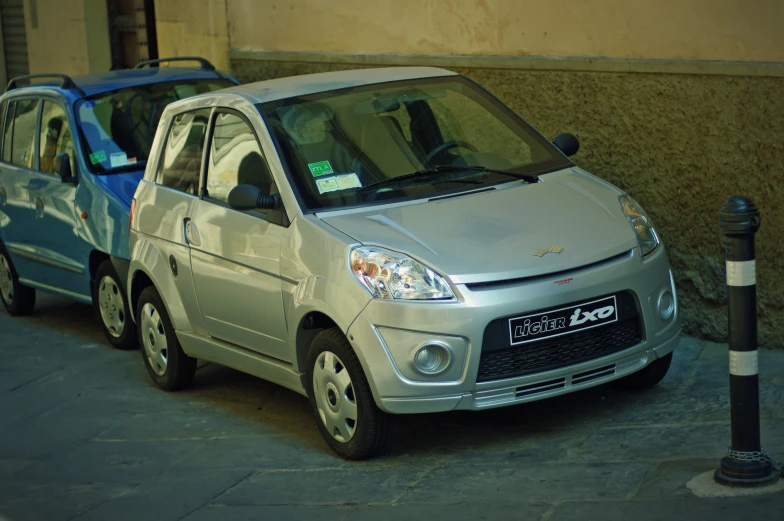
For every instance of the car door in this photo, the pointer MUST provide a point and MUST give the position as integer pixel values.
(235, 255)
(18, 188)
(64, 246)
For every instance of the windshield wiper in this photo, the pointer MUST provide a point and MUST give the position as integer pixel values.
(130, 167)
(445, 169)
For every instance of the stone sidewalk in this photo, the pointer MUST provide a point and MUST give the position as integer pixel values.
(85, 436)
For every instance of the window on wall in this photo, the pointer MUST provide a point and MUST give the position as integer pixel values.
(235, 158)
(56, 137)
(22, 133)
(180, 165)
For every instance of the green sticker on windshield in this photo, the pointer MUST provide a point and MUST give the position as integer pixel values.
(97, 157)
(320, 168)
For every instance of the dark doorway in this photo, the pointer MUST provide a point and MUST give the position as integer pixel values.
(132, 32)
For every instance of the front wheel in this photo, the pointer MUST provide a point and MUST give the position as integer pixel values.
(111, 301)
(18, 299)
(648, 376)
(166, 362)
(341, 399)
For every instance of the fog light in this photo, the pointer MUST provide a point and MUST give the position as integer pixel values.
(432, 358)
(666, 305)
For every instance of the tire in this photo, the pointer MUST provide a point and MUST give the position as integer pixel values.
(168, 365)
(338, 389)
(17, 299)
(111, 306)
(648, 376)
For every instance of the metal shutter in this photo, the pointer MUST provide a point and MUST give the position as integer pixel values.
(14, 37)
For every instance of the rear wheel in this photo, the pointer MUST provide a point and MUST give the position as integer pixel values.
(112, 304)
(166, 362)
(341, 399)
(648, 376)
(18, 299)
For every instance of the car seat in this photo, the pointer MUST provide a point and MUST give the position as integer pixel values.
(253, 170)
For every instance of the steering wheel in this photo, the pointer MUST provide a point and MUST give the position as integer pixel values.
(446, 146)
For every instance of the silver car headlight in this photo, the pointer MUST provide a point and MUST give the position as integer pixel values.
(391, 275)
(641, 223)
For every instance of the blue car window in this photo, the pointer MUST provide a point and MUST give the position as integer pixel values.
(55, 138)
(23, 133)
(180, 163)
(119, 126)
(8, 128)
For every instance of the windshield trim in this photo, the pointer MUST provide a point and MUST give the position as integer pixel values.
(559, 162)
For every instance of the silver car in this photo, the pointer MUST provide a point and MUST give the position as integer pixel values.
(389, 241)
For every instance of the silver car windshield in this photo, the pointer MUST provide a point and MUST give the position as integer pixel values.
(403, 140)
(118, 127)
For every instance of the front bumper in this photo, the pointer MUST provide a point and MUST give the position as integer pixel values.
(387, 333)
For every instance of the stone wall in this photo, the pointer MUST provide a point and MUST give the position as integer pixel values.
(681, 144)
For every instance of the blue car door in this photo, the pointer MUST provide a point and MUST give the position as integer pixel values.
(18, 186)
(65, 244)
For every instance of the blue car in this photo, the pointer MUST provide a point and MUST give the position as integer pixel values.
(72, 152)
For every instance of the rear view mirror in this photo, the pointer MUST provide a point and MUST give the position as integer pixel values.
(567, 143)
(62, 167)
(248, 197)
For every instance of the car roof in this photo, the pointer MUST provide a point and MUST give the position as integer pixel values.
(271, 90)
(97, 83)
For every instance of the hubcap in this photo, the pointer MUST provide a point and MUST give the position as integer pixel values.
(154, 339)
(112, 306)
(335, 398)
(6, 281)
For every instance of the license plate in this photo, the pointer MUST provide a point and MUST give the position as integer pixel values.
(563, 321)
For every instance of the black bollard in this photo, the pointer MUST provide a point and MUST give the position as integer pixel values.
(746, 464)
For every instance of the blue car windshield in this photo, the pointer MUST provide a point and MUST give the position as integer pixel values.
(117, 128)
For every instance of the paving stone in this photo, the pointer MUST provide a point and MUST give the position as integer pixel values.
(49, 434)
(116, 462)
(725, 509)
(669, 478)
(523, 482)
(37, 500)
(474, 510)
(259, 513)
(173, 425)
(12, 465)
(328, 487)
(169, 496)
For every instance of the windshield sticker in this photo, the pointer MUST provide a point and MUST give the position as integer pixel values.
(320, 168)
(329, 184)
(340, 182)
(98, 157)
(349, 181)
(118, 159)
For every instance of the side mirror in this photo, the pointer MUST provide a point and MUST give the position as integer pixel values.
(248, 197)
(62, 167)
(567, 143)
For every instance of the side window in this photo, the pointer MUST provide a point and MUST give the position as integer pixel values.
(23, 133)
(180, 163)
(235, 159)
(56, 137)
(8, 132)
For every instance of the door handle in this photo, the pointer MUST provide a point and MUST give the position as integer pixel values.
(192, 233)
(39, 208)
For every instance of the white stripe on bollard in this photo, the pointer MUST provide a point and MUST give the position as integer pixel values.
(744, 363)
(741, 273)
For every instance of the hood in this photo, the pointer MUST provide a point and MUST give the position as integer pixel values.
(122, 185)
(491, 236)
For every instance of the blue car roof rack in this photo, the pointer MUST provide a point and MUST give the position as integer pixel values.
(65, 81)
(203, 63)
